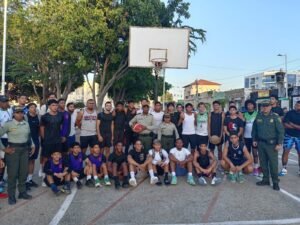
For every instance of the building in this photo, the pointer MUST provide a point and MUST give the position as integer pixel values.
(192, 91)
(268, 80)
(177, 93)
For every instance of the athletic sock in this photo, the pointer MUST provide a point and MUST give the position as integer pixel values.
(173, 174)
(95, 177)
(256, 165)
(88, 177)
(190, 174)
(29, 177)
(284, 166)
(151, 173)
(106, 176)
(132, 174)
(75, 179)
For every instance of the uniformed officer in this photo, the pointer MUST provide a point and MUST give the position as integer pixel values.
(268, 134)
(147, 121)
(167, 132)
(17, 154)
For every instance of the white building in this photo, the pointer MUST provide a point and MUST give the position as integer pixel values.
(177, 93)
(267, 80)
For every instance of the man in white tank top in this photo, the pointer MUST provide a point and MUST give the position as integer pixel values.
(86, 120)
(187, 119)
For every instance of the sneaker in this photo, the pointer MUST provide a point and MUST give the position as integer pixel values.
(174, 180)
(97, 183)
(276, 187)
(283, 172)
(158, 183)
(117, 184)
(41, 173)
(190, 180)
(32, 184)
(215, 181)
(89, 183)
(255, 172)
(44, 184)
(240, 177)
(79, 184)
(166, 180)
(125, 184)
(66, 189)
(132, 182)
(107, 181)
(202, 181)
(153, 180)
(232, 177)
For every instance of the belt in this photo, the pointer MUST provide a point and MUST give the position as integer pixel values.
(144, 135)
(168, 136)
(271, 141)
(18, 144)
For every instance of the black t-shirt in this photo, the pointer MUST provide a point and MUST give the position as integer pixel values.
(175, 117)
(52, 124)
(233, 125)
(34, 124)
(216, 125)
(120, 119)
(129, 116)
(119, 159)
(294, 117)
(106, 121)
(278, 111)
(139, 157)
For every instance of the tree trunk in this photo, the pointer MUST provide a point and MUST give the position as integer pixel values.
(36, 93)
(67, 89)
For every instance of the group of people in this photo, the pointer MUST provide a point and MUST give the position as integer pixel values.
(116, 144)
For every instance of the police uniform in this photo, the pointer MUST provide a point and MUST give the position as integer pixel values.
(268, 132)
(18, 133)
(167, 132)
(146, 135)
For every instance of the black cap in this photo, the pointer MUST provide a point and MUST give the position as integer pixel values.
(3, 98)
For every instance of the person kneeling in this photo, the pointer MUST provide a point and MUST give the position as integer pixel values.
(96, 167)
(160, 164)
(181, 157)
(205, 165)
(117, 165)
(57, 174)
(236, 159)
(138, 161)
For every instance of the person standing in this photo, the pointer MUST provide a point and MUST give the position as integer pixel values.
(267, 134)
(86, 121)
(144, 101)
(72, 135)
(146, 120)
(201, 125)
(130, 112)
(249, 117)
(105, 129)
(275, 107)
(291, 123)
(188, 121)
(119, 116)
(16, 155)
(233, 124)
(44, 108)
(157, 114)
(176, 118)
(22, 100)
(215, 127)
(66, 126)
(34, 125)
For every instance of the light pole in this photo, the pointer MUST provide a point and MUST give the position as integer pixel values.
(4, 48)
(286, 74)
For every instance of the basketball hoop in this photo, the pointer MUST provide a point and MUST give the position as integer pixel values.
(158, 64)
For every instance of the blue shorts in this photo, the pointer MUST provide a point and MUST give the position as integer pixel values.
(71, 140)
(289, 141)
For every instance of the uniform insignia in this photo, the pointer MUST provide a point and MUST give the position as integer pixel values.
(259, 120)
(271, 121)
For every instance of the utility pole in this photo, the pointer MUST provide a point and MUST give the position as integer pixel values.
(4, 47)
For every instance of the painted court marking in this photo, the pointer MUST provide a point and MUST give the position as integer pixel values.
(63, 208)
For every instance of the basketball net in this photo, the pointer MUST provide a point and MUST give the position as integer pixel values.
(158, 63)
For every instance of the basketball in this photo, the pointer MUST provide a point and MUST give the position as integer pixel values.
(215, 139)
(137, 127)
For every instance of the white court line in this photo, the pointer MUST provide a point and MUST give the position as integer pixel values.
(290, 195)
(254, 222)
(63, 208)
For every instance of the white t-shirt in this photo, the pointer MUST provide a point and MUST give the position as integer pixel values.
(73, 121)
(180, 154)
(157, 156)
(158, 117)
(5, 115)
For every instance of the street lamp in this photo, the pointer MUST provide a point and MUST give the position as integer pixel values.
(286, 74)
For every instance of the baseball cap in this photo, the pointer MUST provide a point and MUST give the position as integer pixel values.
(17, 109)
(3, 98)
(265, 103)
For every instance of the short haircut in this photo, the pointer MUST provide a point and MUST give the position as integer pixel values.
(97, 143)
(231, 102)
(216, 102)
(298, 102)
(233, 134)
(144, 99)
(70, 103)
(274, 96)
(75, 144)
(52, 101)
(250, 101)
(179, 139)
(31, 104)
(61, 100)
(157, 103)
(156, 141)
(51, 93)
(201, 103)
(179, 105)
(170, 104)
(189, 104)
(232, 107)
(90, 100)
(106, 103)
(120, 103)
(130, 101)
(118, 142)
(137, 140)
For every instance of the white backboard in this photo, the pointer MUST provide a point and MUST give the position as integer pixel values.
(171, 44)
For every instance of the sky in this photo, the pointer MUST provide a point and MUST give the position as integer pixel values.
(243, 37)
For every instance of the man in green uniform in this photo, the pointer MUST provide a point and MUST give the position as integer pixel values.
(17, 154)
(147, 121)
(268, 134)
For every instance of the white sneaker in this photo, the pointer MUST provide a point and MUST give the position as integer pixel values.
(153, 180)
(202, 181)
(283, 172)
(132, 182)
(41, 173)
(215, 181)
(44, 184)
